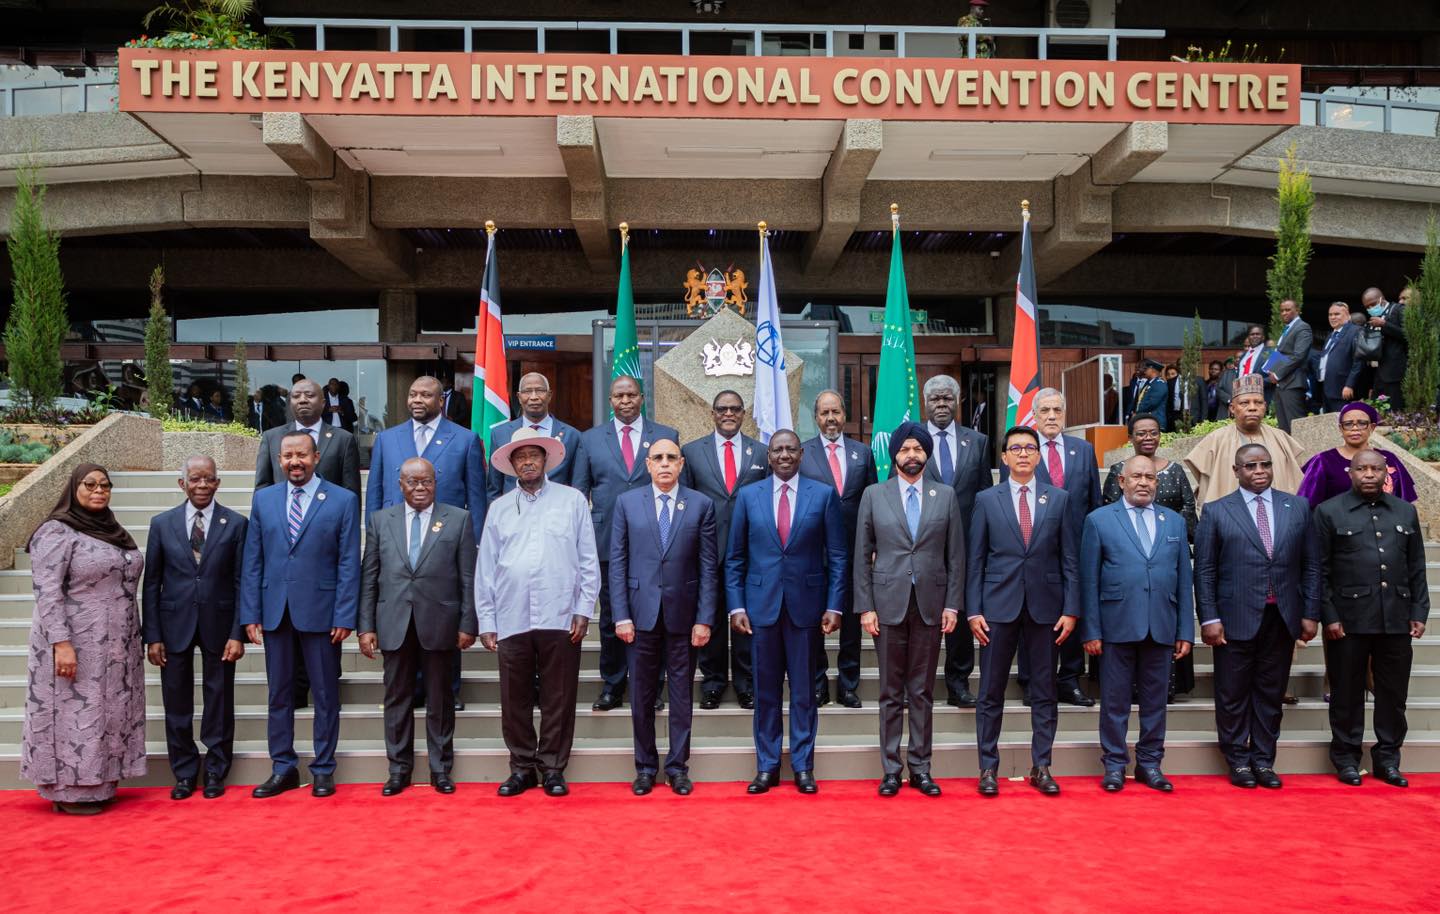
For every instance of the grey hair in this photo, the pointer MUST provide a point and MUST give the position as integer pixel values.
(942, 382)
(185, 465)
(537, 374)
(832, 392)
(1048, 392)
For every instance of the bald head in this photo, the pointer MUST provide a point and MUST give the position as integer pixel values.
(305, 401)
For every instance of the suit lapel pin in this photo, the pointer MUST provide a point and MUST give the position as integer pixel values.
(679, 506)
(645, 444)
(320, 495)
(1044, 498)
(1072, 452)
(932, 493)
(435, 528)
(964, 442)
(1159, 516)
(854, 455)
(748, 452)
(438, 441)
(329, 434)
(223, 520)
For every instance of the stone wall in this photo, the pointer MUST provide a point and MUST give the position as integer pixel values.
(230, 452)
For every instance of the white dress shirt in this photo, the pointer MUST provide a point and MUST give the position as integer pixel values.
(1029, 497)
(546, 425)
(334, 400)
(948, 443)
(537, 566)
(634, 427)
(1253, 356)
(1147, 515)
(433, 425)
(208, 513)
(314, 430)
(736, 444)
(424, 524)
(839, 444)
(1059, 442)
(918, 485)
(306, 498)
(776, 483)
(674, 493)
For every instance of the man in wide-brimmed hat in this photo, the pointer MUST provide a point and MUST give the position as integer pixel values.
(536, 579)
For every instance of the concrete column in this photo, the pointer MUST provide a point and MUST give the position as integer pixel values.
(580, 150)
(399, 316)
(840, 193)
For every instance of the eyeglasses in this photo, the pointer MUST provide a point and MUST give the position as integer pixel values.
(1149, 433)
(97, 486)
(1355, 424)
(198, 480)
(1257, 465)
(1018, 449)
(665, 458)
(418, 483)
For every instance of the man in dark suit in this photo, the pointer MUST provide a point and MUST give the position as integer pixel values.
(665, 572)
(1291, 362)
(1067, 463)
(417, 605)
(457, 405)
(1137, 608)
(1395, 356)
(193, 562)
(910, 539)
(534, 396)
(1252, 358)
(266, 409)
(1152, 396)
(192, 405)
(338, 410)
(611, 461)
(339, 452)
(849, 466)
(1257, 589)
(1375, 603)
(718, 466)
(786, 572)
(1021, 591)
(299, 595)
(1225, 387)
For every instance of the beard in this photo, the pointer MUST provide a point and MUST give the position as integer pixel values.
(913, 468)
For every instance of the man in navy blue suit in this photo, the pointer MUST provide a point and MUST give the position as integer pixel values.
(300, 595)
(1137, 608)
(611, 461)
(664, 578)
(1152, 395)
(1020, 593)
(534, 396)
(1336, 365)
(786, 570)
(192, 561)
(1257, 589)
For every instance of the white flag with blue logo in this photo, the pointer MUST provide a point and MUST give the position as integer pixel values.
(772, 394)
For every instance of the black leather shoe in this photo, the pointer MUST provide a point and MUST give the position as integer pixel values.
(849, 699)
(644, 783)
(1267, 778)
(659, 701)
(214, 787)
(1113, 781)
(459, 705)
(555, 785)
(1242, 776)
(1041, 780)
(277, 784)
(822, 696)
(709, 701)
(763, 782)
(680, 784)
(1154, 779)
(517, 784)
(323, 786)
(1349, 775)
(988, 787)
(1025, 700)
(395, 783)
(961, 699)
(889, 785)
(608, 701)
(805, 782)
(1074, 696)
(746, 699)
(925, 784)
(182, 789)
(442, 783)
(1391, 775)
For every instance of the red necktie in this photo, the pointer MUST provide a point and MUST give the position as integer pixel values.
(1025, 516)
(835, 468)
(627, 450)
(782, 522)
(729, 467)
(1249, 363)
(1057, 469)
(536, 428)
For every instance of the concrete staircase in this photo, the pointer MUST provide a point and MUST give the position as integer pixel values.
(722, 748)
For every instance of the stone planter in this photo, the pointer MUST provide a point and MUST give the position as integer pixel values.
(61, 434)
(14, 472)
(231, 452)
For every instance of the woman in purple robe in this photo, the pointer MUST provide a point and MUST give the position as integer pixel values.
(1326, 474)
(85, 710)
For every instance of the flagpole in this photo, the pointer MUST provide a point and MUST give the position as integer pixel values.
(895, 218)
(624, 236)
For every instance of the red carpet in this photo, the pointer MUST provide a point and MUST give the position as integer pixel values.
(1316, 846)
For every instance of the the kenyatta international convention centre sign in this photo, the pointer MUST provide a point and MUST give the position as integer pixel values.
(346, 82)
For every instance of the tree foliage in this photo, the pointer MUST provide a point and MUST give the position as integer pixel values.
(1190, 367)
(159, 377)
(1286, 277)
(241, 399)
(1422, 327)
(38, 320)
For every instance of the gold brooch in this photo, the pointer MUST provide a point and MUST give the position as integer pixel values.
(435, 528)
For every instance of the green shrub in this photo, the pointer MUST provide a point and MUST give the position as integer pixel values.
(177, 424)
(1204, 428)
(13, 451)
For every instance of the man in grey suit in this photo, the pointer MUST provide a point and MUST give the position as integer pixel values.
(339, 452)
(1288, 372)
(909, 538)
(417, 605)
(533, 395)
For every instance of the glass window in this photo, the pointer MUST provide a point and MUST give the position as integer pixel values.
(1081, 325)
(342, 325)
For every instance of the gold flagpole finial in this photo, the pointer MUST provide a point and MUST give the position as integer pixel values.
(894, 217)
(763, 226)
(1025, 209)
(624, 234)
(489, 226)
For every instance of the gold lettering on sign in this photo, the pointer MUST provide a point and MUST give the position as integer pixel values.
(843, 95)
(242, 81)
(1277, 99)
(335, 76)
(1069, 89)
(205, 71)
(1132, 89)
(173, 78)
(721, 95)
(146, 69)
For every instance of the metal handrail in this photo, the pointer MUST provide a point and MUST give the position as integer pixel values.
(1387, 106)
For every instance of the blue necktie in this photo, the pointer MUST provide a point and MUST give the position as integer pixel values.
(296, 516)
(947, 466)
(417, 536)
(912, 511)
(664, 522)
(1142, 532)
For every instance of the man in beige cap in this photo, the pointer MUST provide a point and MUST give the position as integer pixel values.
(536, 579)
(1211, 460)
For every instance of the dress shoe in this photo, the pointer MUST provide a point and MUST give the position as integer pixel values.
(822, 696)
(961, 699)
(988, 787)
(764, 780)
(395, 783)
(1391, 775)
(643, 784)
(517, 784)
(805, 782)
(1154, 779)
(1349, 775)
(79, 809)
(442, 783)
(608, 701)
(214, 787)
(182, 789)
(1242, 776)
(1267, 778)
(709, 701)
(925, 784)
(889, 785)
(324, 786)
(1113, 781)
(1074, 696)
(277, 784)
(555, 785)
(1025, 700)
(1041, 780)
(680, 784)
(459, 705)
(849, 699)
(746, 700)
(659, 701)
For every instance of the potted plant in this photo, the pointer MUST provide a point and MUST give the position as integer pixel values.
(208, 24)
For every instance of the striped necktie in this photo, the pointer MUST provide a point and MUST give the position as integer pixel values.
(296, 515)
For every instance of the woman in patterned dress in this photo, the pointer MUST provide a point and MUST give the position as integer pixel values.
(85, 711)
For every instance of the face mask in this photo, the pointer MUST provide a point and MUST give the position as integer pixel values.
(1376, 311)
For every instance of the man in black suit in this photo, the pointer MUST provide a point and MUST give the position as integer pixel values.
(339, 452)
(1337, 367)
(417, 605)
(338, 410)
(533, 395)
(1293, 360)
(1390, 318)
(717, 466)
(266, 409)
(457, 406)
(192, 574)
(849, 466)
(1257, 589)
